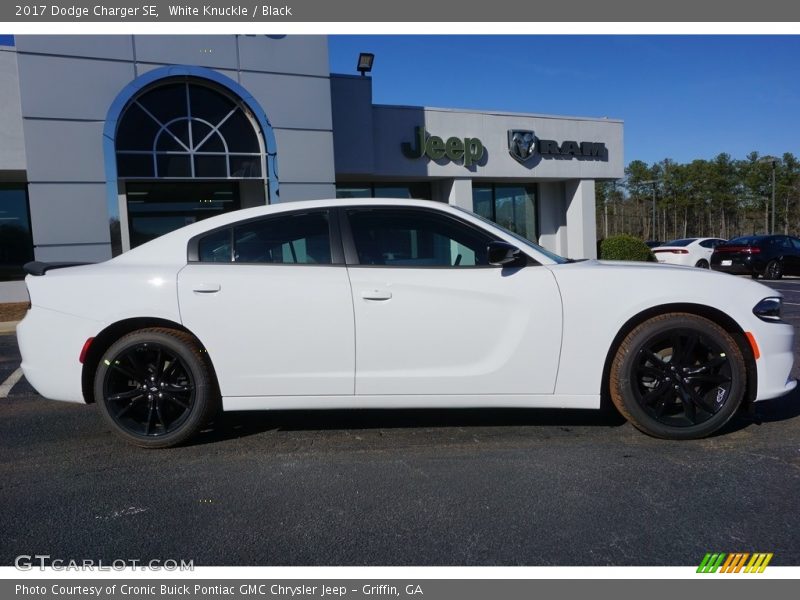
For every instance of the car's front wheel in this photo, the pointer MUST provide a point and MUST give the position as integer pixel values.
(154, 387)
(678, 376)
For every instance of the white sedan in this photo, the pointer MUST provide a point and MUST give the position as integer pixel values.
(689, 252)
(392, 304)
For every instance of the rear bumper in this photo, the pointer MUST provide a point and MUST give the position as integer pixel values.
(50, 343)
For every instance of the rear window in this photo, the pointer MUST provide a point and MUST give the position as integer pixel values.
(746, 241)
(682, 242)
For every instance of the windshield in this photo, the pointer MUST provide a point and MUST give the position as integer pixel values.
(551, 255)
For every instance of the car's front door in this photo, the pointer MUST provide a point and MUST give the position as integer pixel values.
(272, 307)
(433, 318)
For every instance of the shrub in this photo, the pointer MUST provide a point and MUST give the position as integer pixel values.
(625, 247)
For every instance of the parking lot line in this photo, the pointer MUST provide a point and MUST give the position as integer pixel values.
(9, 383)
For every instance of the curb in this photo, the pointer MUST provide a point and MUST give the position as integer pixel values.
(8, 327)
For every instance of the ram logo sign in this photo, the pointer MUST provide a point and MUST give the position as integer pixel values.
(523, 144)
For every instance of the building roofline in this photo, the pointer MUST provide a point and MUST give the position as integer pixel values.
(498, 113)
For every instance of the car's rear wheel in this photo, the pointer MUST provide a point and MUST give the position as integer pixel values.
(702, 263)
(774, 270)
(154, 387)
(678, 376)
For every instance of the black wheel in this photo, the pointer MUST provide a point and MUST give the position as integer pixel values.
(774, 269)
(678, 376)
(155, 388)
(702, 263)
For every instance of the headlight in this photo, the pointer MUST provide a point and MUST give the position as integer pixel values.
(769, 309)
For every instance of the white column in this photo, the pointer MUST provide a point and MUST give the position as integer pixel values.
(581, 219)
(457, 192)
(552, 216)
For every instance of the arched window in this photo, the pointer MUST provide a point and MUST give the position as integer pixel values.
(188, 130)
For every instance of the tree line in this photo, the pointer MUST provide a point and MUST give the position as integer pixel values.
(722, 197)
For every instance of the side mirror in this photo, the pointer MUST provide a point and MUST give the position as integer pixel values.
(503, 254)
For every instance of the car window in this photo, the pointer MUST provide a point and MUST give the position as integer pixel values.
(681, 242)
(215, 247)
(795, 243)
(709, 243)
(283, 239)
(415, 238)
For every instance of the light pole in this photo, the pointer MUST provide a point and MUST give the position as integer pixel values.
(773, 160)
(653, 182)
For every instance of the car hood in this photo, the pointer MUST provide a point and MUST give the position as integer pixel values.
(643, 285)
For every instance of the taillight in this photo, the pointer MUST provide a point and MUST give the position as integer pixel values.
(85, 350)
(671, 251)
(752, 250)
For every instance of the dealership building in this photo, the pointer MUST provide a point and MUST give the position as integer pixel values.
(110, 141)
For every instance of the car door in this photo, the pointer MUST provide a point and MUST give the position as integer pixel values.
(270, 301)
(433, 318)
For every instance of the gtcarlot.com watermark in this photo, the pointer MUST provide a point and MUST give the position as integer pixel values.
(28, 562)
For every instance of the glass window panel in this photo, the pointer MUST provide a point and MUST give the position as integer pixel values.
(483, 201)
(290, 239)
(208, 104)
(418, 190)
(212, 144)
(210, 166)
(135, 165)
(173, 165)
(245, 166)
(215, 247)
(515, 209)
(16, 243)
(199, 131)
(353, 190)
(137, 130)
(239, 134)
(415, 238)
(166, 102)
(170, 139)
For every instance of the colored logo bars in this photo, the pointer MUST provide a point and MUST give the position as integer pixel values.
(735, 562)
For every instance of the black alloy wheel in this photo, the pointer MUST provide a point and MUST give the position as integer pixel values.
(678, 376)
(774, 269)
(702, 263)
(154, 387)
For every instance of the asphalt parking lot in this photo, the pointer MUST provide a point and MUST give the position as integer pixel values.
(477, 487)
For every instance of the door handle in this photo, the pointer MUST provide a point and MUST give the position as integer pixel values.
(376, 295)
(206, 288)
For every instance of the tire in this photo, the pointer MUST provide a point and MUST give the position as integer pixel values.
(154, 387)
(774, 269)
(754, 275)
(702, 264)
(678, 376)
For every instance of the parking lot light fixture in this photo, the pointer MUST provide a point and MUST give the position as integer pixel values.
(365, 60)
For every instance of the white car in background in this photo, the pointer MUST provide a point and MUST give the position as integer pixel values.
(689, 252)
(376, 303)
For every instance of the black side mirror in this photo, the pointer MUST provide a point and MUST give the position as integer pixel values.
(503, 254)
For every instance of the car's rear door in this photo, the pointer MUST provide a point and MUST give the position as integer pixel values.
(270, 300)
(433, 318)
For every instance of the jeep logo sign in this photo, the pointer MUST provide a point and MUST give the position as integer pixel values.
(468, 149)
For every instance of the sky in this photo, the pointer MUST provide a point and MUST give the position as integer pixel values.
(681, 97)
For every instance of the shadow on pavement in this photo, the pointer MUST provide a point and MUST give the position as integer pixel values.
(241, 424)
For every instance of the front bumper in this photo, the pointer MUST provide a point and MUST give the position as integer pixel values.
(774, 367)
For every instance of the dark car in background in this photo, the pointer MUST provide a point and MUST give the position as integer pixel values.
(770, 256)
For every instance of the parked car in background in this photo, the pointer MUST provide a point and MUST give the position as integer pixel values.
(690, 252)
(770, 256)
